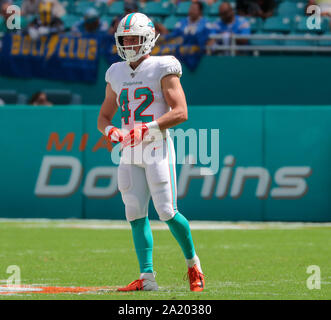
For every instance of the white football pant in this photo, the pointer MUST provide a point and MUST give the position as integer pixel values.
(149, 169)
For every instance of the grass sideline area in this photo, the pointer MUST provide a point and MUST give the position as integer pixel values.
(241, 260)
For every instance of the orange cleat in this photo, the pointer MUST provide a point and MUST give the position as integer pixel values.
(139, 285)
(133, 286)
(196, 278)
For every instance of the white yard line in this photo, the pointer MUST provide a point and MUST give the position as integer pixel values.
(158, 225)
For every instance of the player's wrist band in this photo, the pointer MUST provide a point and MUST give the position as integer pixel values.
(152, 125)
(107, 129)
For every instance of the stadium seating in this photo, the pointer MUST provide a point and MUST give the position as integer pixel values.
(69, 20)
(107, 19)
(70, 6)
(12, 97)
(156, 19)
(288, 8)
(57, 96)
(116, 8)
(18, 2)
(255, 24)
(277, 24)
(166, 12)
(82, 6)
(213, 9)
(2, 25)
(183, 8)
(300, 43)
(266, 42)
(289, 17)
(102, 8)
(157, 9)
(301, 26)
(170, 22)
(324, 43)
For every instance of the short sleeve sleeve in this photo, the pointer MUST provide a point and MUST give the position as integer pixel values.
(110, 75)
(107, 76)
(170, 65)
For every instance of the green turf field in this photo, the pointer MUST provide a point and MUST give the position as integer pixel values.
(263, 262)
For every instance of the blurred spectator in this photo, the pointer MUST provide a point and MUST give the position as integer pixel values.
(207, 2)
(58, 9)
(309, 3)
(40, 99)
(114, 25)
(6, 13)
(194, 29)
(2, 103)
(33, 7)
(229, 23)
(98, 2)
(91, 23)
(109, 43)
(30, 7)
(256, 8)
(129, 7)
(3, 11)
(48, 22)
(2, 2)
(160, 28)
(325, 6)
(108, 2)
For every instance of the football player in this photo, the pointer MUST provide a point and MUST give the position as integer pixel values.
(151, 99)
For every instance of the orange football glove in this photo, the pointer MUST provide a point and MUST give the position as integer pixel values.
(135, 136)
(115, 135)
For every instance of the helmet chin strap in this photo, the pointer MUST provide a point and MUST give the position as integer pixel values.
(131, 55)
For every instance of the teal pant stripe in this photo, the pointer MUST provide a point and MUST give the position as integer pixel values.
(143, 242)
(180, 229)
(172, 177)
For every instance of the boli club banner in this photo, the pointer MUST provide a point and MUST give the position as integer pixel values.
(57, 57)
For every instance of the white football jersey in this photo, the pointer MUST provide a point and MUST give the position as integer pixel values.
(139, 93)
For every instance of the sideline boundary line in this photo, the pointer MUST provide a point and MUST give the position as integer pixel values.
(158, 225)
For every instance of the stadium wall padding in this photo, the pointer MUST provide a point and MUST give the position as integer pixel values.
(287, 147)
(242, 80)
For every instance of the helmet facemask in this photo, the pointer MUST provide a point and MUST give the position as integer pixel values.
(129, 52)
